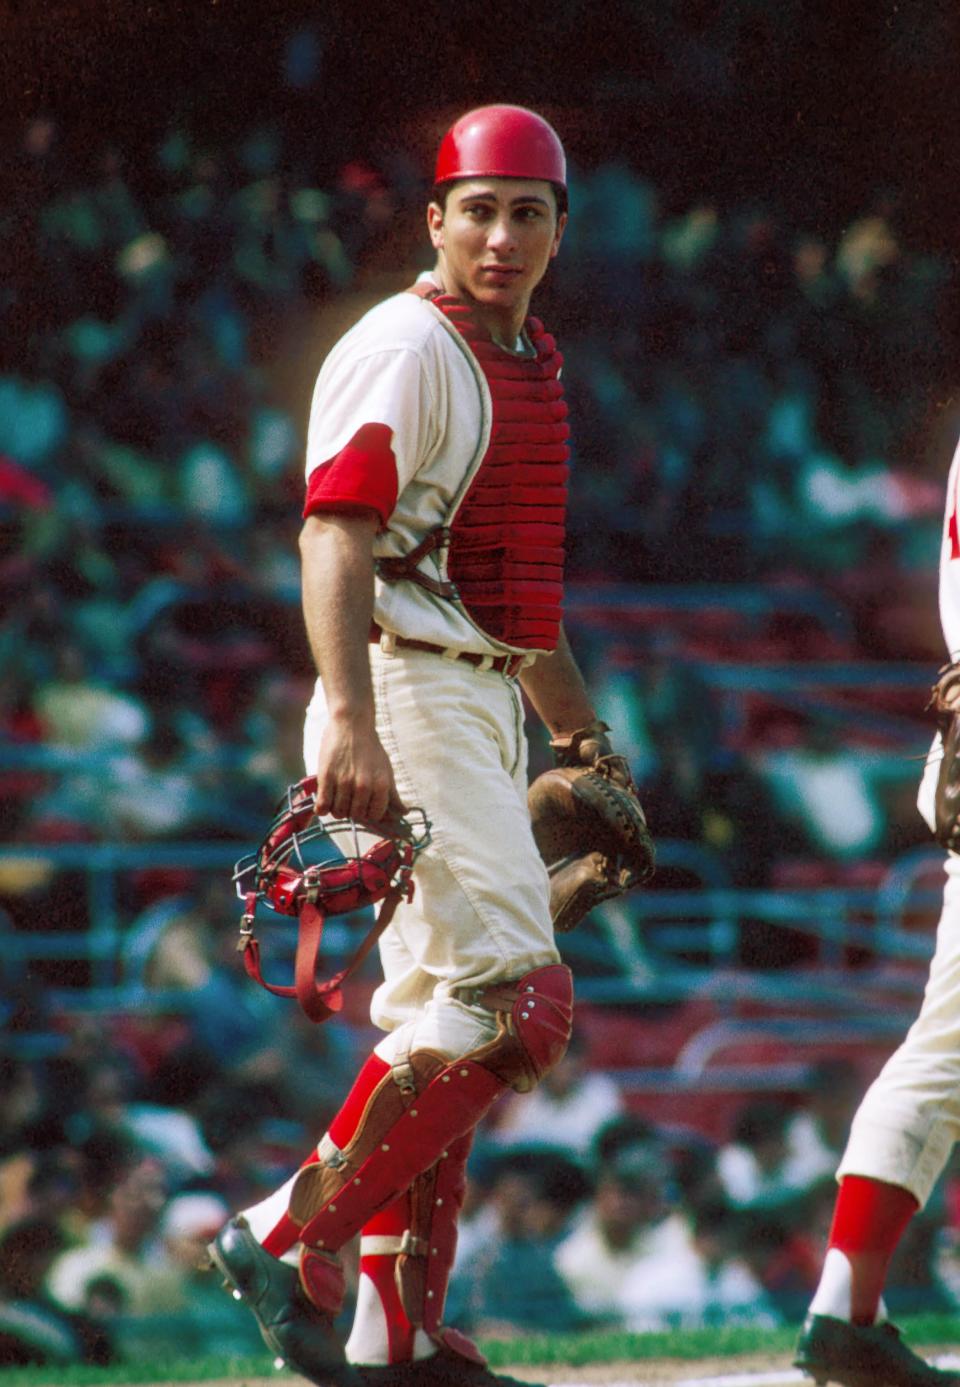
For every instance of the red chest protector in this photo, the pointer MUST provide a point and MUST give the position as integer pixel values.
(507, 538)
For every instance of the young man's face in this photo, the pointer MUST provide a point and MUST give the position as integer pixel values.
(495, 239)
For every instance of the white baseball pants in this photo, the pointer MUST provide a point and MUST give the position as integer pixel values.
(480, 912)
(909, 1119)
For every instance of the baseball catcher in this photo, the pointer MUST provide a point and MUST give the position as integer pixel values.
(589, 826)
(432, 558)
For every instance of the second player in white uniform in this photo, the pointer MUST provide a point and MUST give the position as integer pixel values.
(906, 1126)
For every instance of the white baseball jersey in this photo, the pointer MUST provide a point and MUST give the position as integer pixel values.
(401, 422)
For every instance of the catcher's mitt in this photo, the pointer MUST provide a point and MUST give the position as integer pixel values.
(589, 826)
(945, 705)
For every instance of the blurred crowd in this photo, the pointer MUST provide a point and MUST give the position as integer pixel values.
(751, 404)
(754, 402)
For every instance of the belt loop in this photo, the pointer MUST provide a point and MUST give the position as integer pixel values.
(449, 653)
(388, 642)
(485, 662)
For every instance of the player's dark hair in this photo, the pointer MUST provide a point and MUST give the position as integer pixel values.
(441, 191)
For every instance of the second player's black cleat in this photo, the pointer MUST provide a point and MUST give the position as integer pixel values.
(291, 1326)
(857, 1355)
(444, 1369)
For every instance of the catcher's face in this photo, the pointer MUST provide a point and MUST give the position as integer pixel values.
(494, 241)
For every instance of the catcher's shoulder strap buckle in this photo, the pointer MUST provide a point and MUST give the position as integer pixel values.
(425, 289)
(391, 568)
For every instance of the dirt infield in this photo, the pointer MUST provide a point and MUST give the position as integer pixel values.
(745, 1370)
(655, 1370)
(760, 1370)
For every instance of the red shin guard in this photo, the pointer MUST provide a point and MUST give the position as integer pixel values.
(282, 1236)
(868, 1222)
(407, 1251)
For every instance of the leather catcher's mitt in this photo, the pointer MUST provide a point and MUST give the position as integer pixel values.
(589, 826)
(945, 705)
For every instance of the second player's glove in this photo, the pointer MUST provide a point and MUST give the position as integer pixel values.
(945, 705)
(589, 826)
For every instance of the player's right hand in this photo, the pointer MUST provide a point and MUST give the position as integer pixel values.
(354, 774)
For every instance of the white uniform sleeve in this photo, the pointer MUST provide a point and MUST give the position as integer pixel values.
(388, 388)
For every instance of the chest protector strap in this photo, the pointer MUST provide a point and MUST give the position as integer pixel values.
(405, 565)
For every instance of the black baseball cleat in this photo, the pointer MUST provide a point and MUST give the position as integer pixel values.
(858, 1355)
(444, 1369)
(292, 1327)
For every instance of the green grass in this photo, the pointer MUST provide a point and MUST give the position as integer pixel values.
(531, 1351)
(236, 1370)
(613, 1347)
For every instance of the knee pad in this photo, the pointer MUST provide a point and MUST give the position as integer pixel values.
(535, 1013)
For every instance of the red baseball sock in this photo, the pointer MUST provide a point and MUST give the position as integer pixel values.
(286, 1231)
(392, 1221)
(868, 1221)
(344, 1125)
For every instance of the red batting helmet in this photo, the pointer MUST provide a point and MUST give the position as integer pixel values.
(501, 142)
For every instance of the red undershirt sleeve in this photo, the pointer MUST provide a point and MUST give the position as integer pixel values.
(362, 476)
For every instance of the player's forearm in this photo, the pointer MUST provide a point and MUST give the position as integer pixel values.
(336, 554)
(555, 687)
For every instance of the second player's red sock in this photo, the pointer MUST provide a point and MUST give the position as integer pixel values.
(868, 1222)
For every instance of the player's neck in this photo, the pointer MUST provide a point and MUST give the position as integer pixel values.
(505, 330)
(505, 325)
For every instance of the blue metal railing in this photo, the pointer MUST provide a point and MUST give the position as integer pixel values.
(634, 947)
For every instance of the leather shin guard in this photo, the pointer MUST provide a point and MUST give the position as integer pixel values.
(424, 1264)
(400, 1137)
(419, 1110)
(408, 1251)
